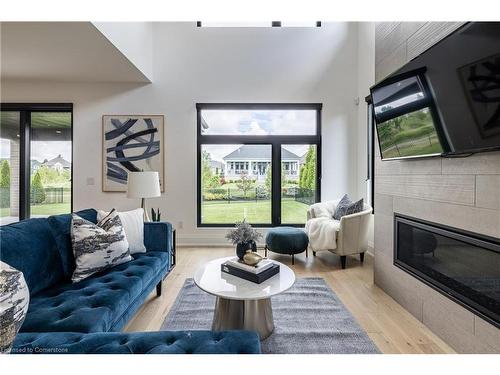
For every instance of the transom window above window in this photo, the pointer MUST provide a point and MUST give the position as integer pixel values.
(259, 24)
(258, 122)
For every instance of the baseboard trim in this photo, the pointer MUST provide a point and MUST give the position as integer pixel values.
(205, 241)
(218, 240)
(370, 249)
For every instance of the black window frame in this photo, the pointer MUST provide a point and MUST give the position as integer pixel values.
(276, 142)
(25, 110)
(370, 150)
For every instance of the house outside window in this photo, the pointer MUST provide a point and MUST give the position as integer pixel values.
(256, 159)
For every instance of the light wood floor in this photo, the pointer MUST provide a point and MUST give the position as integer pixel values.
(392, 328)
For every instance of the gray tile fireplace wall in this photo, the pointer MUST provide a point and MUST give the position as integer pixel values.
(462, 193)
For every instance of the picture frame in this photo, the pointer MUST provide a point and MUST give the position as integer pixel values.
(131, 143)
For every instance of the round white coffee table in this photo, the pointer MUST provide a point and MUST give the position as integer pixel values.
(242, 304)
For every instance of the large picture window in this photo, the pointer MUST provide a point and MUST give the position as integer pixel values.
(258, 162)
(35, 160)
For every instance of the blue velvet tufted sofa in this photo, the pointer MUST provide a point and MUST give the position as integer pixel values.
(87, 317)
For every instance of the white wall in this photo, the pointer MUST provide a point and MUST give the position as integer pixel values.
(134, 40)
(366, 79)
(71, 52)
(193, 65)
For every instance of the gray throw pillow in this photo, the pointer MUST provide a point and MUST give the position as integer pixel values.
(347, 207)
(98, 246)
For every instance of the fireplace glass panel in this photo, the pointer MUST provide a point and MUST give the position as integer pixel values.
(465, 267)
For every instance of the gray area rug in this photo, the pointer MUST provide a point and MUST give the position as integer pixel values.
(308, 318)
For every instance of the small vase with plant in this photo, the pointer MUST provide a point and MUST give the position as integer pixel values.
(244, 237)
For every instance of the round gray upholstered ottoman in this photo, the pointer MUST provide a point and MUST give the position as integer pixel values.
(287, 240)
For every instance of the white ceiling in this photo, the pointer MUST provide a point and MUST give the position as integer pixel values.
(62, 52)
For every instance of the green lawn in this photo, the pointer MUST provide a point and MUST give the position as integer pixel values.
(51, 209)
(422, 146)
(408, 135)
(43, 209)
(259, 212)
(293, 212)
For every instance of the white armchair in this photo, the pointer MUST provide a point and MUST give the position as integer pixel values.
(352, 233)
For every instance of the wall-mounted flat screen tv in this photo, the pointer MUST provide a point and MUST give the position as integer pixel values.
(406, 119)
(445, 101)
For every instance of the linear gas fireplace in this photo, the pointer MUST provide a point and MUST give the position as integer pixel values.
(461, 265)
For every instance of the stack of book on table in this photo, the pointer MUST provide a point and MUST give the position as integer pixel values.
(261, 272)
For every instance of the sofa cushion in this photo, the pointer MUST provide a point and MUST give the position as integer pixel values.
(60, 227)
(133, 224)
(96, 303)
(29, 247)
(165, 342)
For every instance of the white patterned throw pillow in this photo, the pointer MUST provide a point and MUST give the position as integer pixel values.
(98, 246)
(133, 224)
(14, 301)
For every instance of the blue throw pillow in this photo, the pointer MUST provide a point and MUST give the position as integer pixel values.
(347, 207)
(60, 226)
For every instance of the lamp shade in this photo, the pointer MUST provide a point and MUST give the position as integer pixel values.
(143, 185)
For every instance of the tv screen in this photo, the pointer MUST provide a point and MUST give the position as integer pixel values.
(407, 124)
(410, 135)
(450, 93)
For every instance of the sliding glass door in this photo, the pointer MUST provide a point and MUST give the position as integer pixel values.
(36, 160)
(10, 143)
(51, 163)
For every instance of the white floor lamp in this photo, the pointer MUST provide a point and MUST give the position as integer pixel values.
(143, 185)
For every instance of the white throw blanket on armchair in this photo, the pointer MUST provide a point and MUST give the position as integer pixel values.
(322, 228)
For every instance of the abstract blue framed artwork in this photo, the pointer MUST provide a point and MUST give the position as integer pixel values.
(131, 143)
